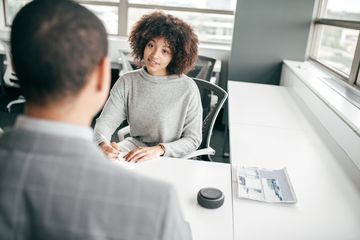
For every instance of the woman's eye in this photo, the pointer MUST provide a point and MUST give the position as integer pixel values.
(165, 52)
(150, 45)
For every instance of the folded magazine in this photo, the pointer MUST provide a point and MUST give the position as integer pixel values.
(264, 185)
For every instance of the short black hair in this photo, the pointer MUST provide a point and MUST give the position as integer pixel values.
(55, 44)
(178, 34)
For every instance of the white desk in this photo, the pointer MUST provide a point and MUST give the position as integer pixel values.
(269, 129)
(264, 105)
(188, 177)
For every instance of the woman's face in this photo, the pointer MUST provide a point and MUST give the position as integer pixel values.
(157, 56)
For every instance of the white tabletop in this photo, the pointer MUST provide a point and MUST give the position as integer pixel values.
(188, 177)
(267, 106)
(268, 129)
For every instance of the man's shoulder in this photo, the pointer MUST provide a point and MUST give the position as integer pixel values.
(36, 141)
(84, 157)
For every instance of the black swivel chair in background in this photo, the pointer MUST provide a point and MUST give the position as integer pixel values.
(10, 79)
(207, 67)
(203, 68)
(125, 63)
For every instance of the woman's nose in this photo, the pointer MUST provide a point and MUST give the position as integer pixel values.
(155, 53)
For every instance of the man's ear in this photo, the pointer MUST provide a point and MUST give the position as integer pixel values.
(103, 78)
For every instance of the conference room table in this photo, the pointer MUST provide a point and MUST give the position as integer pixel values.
(270, 128)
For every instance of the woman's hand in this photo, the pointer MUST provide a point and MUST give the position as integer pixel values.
(144, 153)
(111, 151)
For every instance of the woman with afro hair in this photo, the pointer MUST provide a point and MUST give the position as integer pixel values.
(161, 104)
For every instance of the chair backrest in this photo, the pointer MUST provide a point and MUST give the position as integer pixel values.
(203, 68)
(125, 63)
(209, 118)
(207, 66)
(10, 78)
(7, 120)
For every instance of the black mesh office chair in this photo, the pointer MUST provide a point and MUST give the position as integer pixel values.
(125, 63)
(203, 69)
(7, 120)
(207, 67)
(220, 95)
(10, 79)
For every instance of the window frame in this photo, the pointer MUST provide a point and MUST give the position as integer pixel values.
(5, 12)
(124, 5)
(354, 75)
(6, 24)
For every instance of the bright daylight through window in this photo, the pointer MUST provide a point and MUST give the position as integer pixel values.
(336, 38)
(213, 20)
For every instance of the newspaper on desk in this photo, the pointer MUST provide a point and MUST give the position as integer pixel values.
(265, 185)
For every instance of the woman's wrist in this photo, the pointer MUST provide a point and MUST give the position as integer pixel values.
(162, 147)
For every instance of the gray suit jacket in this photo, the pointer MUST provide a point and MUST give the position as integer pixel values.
(56, 187)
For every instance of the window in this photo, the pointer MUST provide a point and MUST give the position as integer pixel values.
(336, 43)
(11, 7)
(108, 15)
(209, 27)
(213, 20)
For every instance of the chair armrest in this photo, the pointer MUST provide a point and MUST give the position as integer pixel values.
(204, 151)
(123, 132)
(20, 100)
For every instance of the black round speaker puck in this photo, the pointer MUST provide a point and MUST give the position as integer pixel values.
(210, 198)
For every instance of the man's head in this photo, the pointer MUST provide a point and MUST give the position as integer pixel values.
(56, 46)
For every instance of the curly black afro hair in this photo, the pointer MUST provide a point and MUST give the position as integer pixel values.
(179, 35)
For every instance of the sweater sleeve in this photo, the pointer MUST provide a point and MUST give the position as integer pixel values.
(112, 115)
(192, 130)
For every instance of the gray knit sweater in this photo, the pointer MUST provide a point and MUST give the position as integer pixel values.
(159, 109)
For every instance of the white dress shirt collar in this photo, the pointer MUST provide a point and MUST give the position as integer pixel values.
(53, 127)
